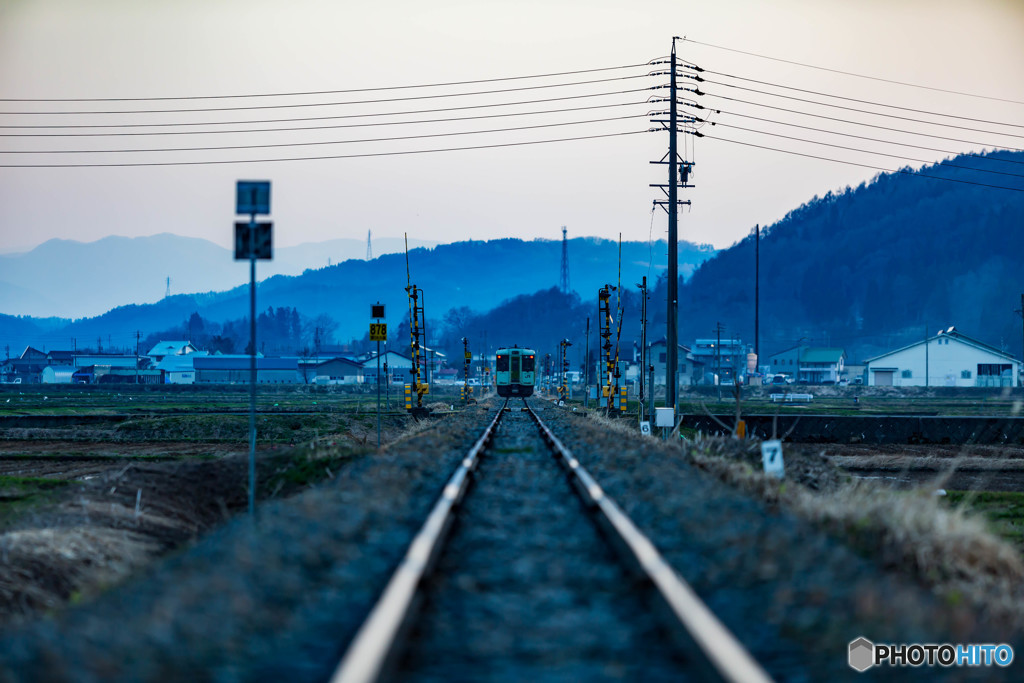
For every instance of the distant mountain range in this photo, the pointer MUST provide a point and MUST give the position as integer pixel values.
(70, 279)
(477, 275)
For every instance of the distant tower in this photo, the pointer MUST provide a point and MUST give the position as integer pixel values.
(168, 292)
(565, 261)
(369, 245)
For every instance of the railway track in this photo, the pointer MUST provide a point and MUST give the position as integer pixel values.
(525, 567)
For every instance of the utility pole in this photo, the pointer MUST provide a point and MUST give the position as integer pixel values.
(564, 283)
(137, 335)
(1020, 312)
(643, 343)
(926, 355)
(586, 368)
(678, 175)
(718, 359)
(757, 292)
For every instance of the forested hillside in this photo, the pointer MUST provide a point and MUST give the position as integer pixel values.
(877, 265)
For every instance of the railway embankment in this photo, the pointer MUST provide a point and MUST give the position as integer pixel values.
(869, 429)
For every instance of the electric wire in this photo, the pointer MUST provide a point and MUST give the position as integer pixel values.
(864, 111)
(307, 128)
(319, 118)
(865, 151)
(212, 148)
(320, 104)
(211, 162)
(859, 137)
(850, 73)
(855, 123)
(854, 99)
(854, 163)
(316, 92)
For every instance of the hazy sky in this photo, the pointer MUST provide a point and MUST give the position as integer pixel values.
(129, 49)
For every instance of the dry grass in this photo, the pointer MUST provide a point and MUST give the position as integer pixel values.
(949, 550)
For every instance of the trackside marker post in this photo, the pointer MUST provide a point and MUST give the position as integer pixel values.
(771, 455)
(252, 241)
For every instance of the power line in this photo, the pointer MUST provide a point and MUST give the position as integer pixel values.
(855, 123)
(316, 143)
(856, 75)
(864, 151)
(302, 128)
(852, 99)
(853, 163)
(322, 104)
(320, 158)
(321, 118)
(864, 111)
(865, 137)
(316, 92)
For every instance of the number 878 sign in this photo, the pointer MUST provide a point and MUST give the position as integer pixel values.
(378, 331)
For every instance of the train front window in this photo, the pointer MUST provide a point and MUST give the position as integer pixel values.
(502, 363)
(528, 363)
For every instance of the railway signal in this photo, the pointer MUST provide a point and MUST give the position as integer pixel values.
(467, 390)
(378, 333)
(563, 389)
(417, 335)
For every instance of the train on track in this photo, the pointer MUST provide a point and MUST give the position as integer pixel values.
(516, 371)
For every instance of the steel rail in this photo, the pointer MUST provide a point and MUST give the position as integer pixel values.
(725, 653)
(376, 639)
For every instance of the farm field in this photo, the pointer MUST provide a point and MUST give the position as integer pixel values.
(101, 481)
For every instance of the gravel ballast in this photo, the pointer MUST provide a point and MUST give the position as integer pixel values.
(527, 588)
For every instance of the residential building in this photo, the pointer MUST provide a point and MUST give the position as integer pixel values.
(726, 358)
(786, 362)
(690, 370)
(164, 349)
(821, 365)
(948, 359)
(26, 368)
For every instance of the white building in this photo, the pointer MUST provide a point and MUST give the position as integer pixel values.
(180, 369)
(398, 368)
(62, 374)
(170, 348)
(949, 359)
